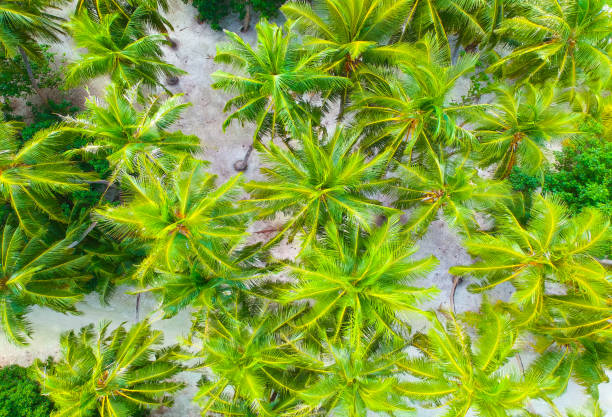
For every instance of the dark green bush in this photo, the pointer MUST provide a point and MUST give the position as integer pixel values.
(583, 174)
(213, 11)
(14, 80)
(581, 177)
(20, 395)
(523, 182)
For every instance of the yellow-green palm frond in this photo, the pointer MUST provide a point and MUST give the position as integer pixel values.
(278, 75)
(551, 248)
(128, 133)
(355, 280)
(560, 41)
(37, 271)
(515, 129)
(181, 217)
(116, 373)
(324, 180)
(122, 51)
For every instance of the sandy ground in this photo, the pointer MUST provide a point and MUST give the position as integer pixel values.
(195, 52)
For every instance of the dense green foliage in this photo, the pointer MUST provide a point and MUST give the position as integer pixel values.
(14, 80)
(20, 395)
(214, 11)
(307, 291)
(582, 175)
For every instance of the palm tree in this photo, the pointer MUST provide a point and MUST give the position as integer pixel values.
(401, 112)
(550, 248)
(205, 285)
(150, 11)
(118, 50)
(128, 133)
(440, 186)
(488, 17)
(112, 261)
(39, 271)
(578, 330)
(514, 130)
(354, 381)
(356, 281)
(469, 373)
(443, 18)
(560, 40)
(323, 181)
(177, 217)
(352, 34)
(34, 174)
(279, 72)
(22, 24)
(246, 347)
(119, 374)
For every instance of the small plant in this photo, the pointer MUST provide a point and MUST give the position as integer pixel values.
(523, 182)
(20, 395)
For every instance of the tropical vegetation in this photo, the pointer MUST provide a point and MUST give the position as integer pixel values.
(425, 223)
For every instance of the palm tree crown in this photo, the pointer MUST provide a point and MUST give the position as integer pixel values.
(149, 10)
(115, 374)
(349, 31)
(466, 373)
(129, 134)
(360, 280)
(247, 352)
(24, 22)
(36, 271)
(443, 18)
(119, 50)
(324, 181)
(445, 185)
(280, 72)
(551, 247)
(33, 173)
(354, 380)
(177, 216)
(402, 111)
(564, 40)
(514, 130)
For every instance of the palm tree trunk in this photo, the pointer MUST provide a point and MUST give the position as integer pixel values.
(243, 164)
(342, 106)
(28, 68)
(171, 42)
(456, 281)
(138, 307)
(246, 22)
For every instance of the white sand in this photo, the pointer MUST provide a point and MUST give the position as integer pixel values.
(196, 48)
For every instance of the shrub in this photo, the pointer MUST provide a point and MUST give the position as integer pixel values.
(522, 181)
(213, 11)
(583, 174)
(14, 80)
(20, 395)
